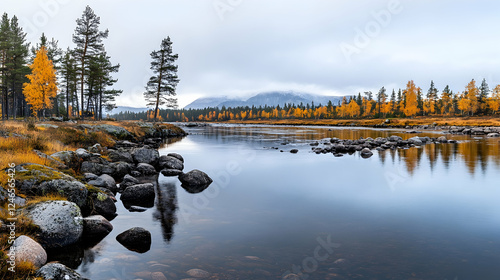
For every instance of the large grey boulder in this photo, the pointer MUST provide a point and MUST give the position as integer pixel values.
(55, 162)
(97, 149)
(96, 168)
(69, 158)
(105, 181)
(120, 169)
(83, 154)
(394, 138)
(442, 139)
(195, 177)
(195, 181)
(170, 162)
(171, 172)
(27, 249)
(145, 155)
(416, 141)
(136, 239)
(89, 177)
(36, 179)
(116, 131)
(30, 175)
(57, 271)
(141, 195)
(128, 181)
(146, 169)
(60, 222)
(176, 155)
(101, 203)
(74, 191)
(493, 134)
(96, 226)
(120, 155)
(477, 131)
(366, 153)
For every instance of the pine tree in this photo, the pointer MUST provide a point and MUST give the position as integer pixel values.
(17, 64)
(99, 79)
(484, 91)
(42, 86)
(447, 100)
(5, 46)
(393, 101)
(88, 40)
(432, 97)
(381, 98)
(69, 80)
(13, 58)
(160, 89)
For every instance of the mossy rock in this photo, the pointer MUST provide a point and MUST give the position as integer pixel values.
(31, 174)
(40, 180)
(113, 130)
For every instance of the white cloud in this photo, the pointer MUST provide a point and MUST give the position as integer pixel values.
(284, 45)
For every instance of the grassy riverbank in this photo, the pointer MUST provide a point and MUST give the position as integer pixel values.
(396, 122)
(18, 142)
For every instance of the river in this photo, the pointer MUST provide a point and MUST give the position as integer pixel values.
(430, 212)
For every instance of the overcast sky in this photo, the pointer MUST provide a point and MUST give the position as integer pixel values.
(243, 47)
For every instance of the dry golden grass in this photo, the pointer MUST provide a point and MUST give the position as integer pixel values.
(24, 226)
(49, 197)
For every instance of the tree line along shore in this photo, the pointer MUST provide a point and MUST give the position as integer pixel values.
(409, 103)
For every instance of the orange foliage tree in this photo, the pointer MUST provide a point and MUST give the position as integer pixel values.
(353, 109)
(42, 86)
(494, 100)
(411, 108)
(471, 94)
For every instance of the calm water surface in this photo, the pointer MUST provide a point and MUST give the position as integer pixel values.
(423, 213)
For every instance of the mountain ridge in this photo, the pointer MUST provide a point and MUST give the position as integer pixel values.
(273, 98)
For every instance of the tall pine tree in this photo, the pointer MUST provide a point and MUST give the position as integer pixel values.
(69, 81)
(160, 89)
(88, 40)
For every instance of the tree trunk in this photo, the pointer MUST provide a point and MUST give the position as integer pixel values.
(3, 103)
(57, 106)
(100, 105)
(67, 101)
(6, 104)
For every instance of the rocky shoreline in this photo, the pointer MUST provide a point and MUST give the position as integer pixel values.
(131, 167)
(339, 147)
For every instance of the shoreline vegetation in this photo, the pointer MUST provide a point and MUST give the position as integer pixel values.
(71, 168)
(380, 123)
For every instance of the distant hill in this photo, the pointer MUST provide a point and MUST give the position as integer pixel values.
(262, 99)
(125, 109)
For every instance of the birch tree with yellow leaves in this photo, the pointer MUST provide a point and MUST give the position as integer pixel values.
(411, 92)
(42, 84)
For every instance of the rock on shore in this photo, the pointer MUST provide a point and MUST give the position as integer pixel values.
(60, 222)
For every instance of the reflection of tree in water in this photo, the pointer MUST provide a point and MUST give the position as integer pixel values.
(90, 255)
(411, 158)
(170, 141)
(166, 206)
(432, 152)
(473, 153)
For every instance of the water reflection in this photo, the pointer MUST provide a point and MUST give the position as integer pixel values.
(166, 207)
(474, 151)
